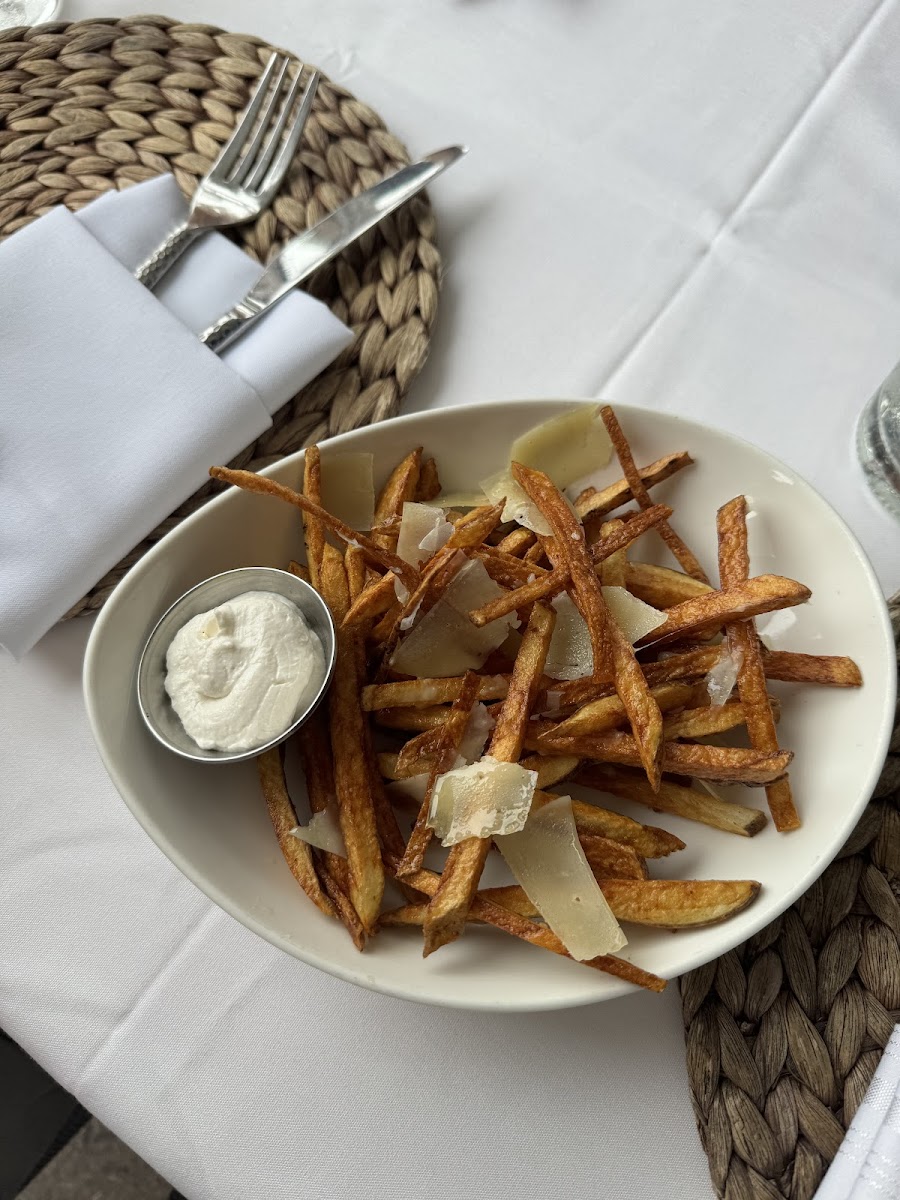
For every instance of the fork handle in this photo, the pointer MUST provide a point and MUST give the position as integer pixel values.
(230, 326)
(166, 254)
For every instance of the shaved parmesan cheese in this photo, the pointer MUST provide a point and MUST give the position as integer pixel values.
(461, 500)
(347, 489)
(773, 626)
(565, 447)
(401, 591)
(570, 655)
(721, 679)
(547, 860)
(421, 522)
(323, 831)
(633, 616)
(414, 787)
(486, 798)
(445, 642)
(519, 505)
(409, 620)
(478, 729)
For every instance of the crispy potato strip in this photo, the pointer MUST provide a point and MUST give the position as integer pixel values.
(429, 485)
(609, 712)
(376, 598)
(763, 593)
(262, 485)
(422, 693)
(686, 557)
(658, 903)
(828, 670)
(297, 854)
(592, 503)
(661, 587)
(611, 860)
(725, 764)
(734, 569)
(452, 731)
(313, 529)
(449, 906)
(349, 740)
(401, 486)
(673, 798)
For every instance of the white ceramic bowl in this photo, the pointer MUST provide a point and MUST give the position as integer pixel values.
(213, 824)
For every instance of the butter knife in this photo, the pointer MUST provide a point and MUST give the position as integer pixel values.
(311, 249)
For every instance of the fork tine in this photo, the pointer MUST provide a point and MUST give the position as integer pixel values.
(248, 157)
(279, 167)
(267, 181)
(235, 143)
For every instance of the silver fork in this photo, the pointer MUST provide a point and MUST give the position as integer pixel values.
(248, 172)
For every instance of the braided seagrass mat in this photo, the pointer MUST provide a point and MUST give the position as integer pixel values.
(91, 106)
(784, 1033)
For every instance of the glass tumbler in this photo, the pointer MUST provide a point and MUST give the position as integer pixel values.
(878, 442)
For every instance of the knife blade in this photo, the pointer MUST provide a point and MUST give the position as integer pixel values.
(309, 250)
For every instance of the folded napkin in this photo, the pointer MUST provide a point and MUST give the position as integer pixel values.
(111, 410)
(867, 1165)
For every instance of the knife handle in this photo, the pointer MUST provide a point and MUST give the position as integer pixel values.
(149, 273)
(230, 326)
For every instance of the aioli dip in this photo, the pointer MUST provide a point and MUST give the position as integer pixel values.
(240, 674)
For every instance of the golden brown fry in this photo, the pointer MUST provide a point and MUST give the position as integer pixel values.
(658, 903)
(432, 717)
(313, 529)
(506, 569)
(682, 553)
(763, 593)
(449, 906)
(723, 764)
(592, 503)
(550, 769)
(613, 567)
(454, 728)
(831, 671)
(590, 820)
(429, 485)
(472, 529)
(609, 712)
(421, 693)
(734, 569)
(355, 564)
(337, 894)
(415, 757)
(673, 798)
(437, 575)
(262, 485)
(611, 860)
(547, 584)
(300, 571)
(517, 542)
(401, 486)
(349, 740)
(375, 599)
(297, 854)
(661, 586)
(540, 935)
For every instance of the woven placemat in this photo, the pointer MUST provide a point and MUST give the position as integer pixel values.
(90, 106)
(784, 1033)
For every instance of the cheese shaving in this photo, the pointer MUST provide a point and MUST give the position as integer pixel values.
(566, 447)
(519, 505)
(322, 831)
(483, 799)
(633, 616)
(422, 531)
(570, 655)
(445, 642)
(347, 488)
(721, 679)
(478, 729)
(461, 500)
(413, 787)
(548, 862)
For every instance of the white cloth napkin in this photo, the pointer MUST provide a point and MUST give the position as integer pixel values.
(867, 1165)
(111, 410)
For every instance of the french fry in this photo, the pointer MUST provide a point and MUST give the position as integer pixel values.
(454, 727)
(449, 906)
(297, 854)
(429, 485)
(609, 712)
(687, 559)
(763, 593)
(300, 571)
(415, 757)
(352, 779)
(517, 542)
(432, 717)
(506, 569)
(550, 769)
(611, 860)
(662, 587)
(540, 935)
(612, 569)
(734, 569)
(704, 722)
(263, 486)
(376, 598)
(592, 503)
(472, 529)
(437, 575)
(422, 693)
(313, 529)
(722, 764)
(551, 583)
(830, 671)
(355, 565)
(673, 798)
(658, 903)
(593, 821)
(401, 486)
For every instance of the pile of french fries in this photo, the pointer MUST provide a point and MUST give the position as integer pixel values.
(636, 728)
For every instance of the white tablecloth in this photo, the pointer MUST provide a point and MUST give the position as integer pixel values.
(689, 205)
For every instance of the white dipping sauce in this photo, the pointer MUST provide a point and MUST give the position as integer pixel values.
(240, 674)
